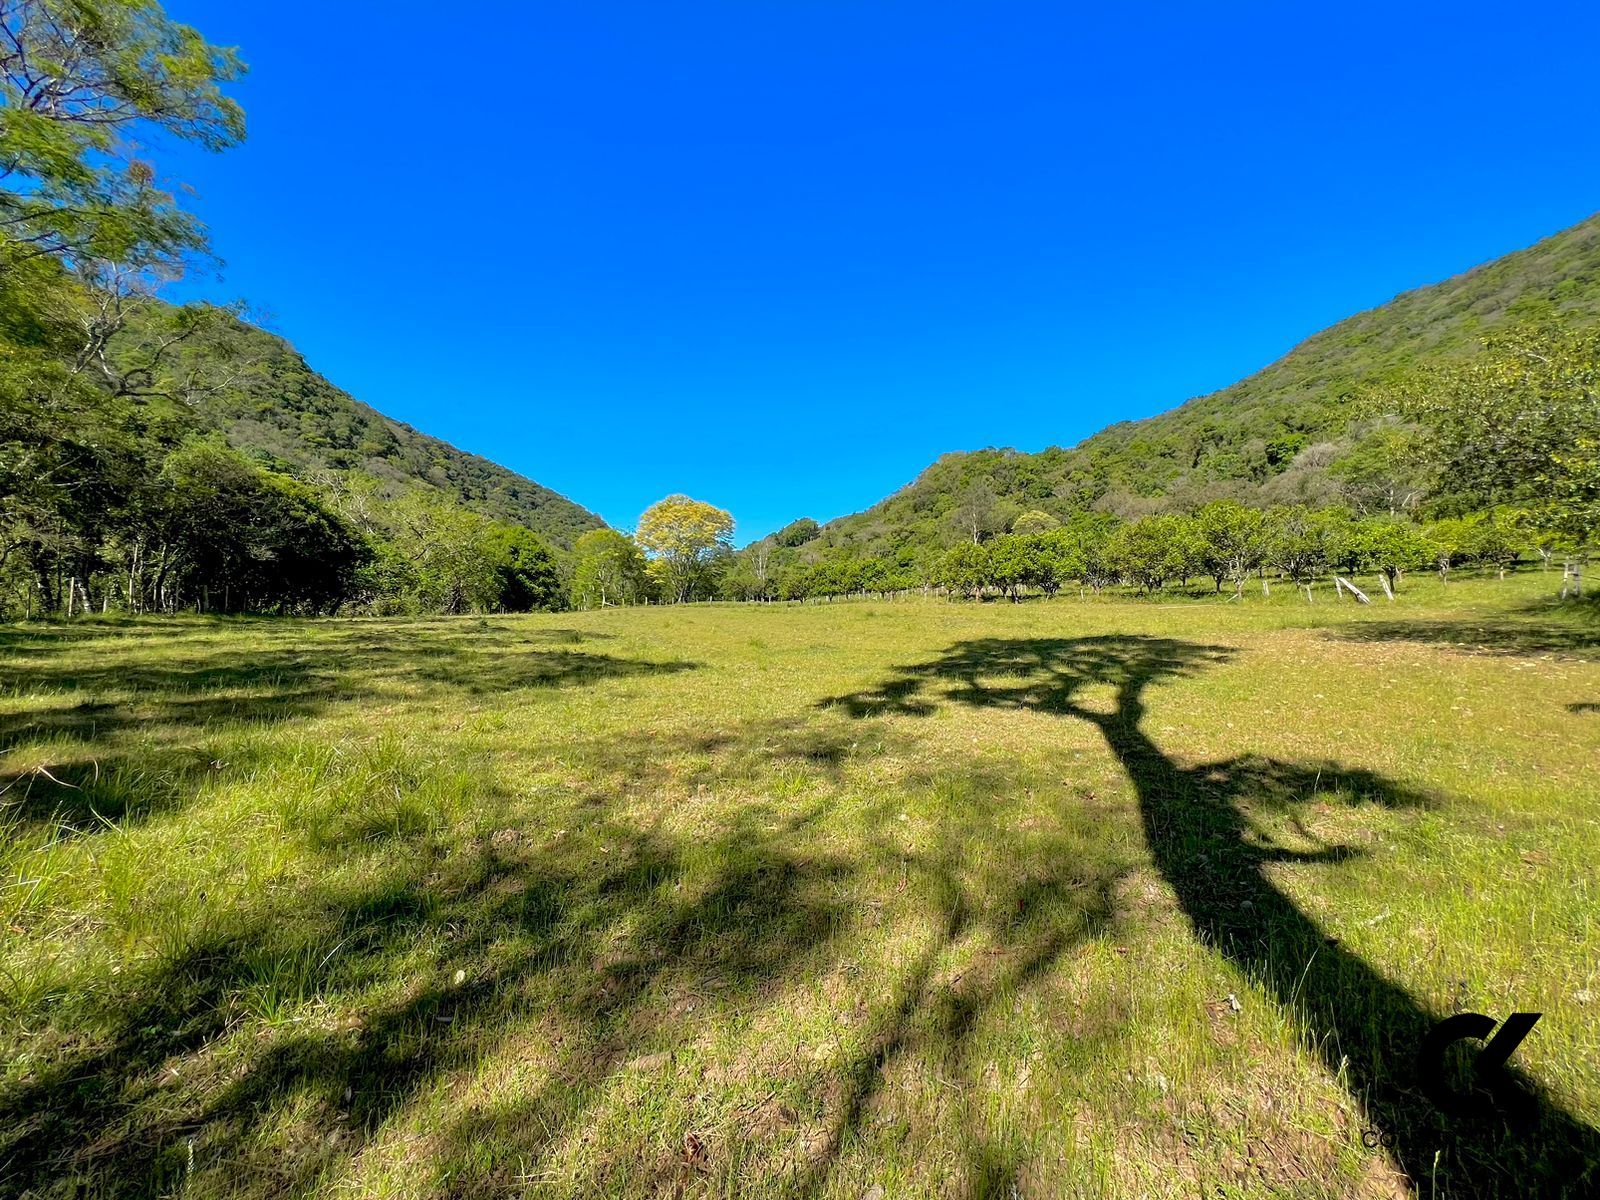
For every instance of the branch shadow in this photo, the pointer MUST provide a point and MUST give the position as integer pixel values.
(139, 741)
(932, 1018)
(1517, 636)
(407, 977)
(1024, 923)
(482, 936)
(1202, 838)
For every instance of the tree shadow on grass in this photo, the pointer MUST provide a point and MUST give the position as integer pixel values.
(932, 1018)
(141, 739)
(1511, 636)
(389, 987)
(1205, 841)
(1018, 924)
(357, 1008)
(280, 1037)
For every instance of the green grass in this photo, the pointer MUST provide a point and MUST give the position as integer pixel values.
(938, 899)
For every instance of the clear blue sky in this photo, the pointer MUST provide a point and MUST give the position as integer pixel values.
(781, 254)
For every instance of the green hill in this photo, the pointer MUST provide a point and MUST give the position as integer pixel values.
(270, 404)
(1288, 432)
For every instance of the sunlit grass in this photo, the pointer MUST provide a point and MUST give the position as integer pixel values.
(943, 899)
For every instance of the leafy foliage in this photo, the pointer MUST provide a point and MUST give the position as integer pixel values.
(1519, 424)
(258, 540)
(797, 533)
(687, 538)
(74, 76)
(116, 484)
(610, 570)
(1150, 551)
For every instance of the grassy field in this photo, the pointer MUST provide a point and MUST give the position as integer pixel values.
(861, 900)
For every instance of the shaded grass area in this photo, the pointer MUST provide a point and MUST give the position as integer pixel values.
(107, 759)
(1199, 823)
(1504, 636)
(1044, 900)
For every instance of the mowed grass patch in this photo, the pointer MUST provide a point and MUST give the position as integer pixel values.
(1102, 898)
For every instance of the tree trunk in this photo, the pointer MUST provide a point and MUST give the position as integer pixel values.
(133, 569)
(161, 580)
(1388, 585)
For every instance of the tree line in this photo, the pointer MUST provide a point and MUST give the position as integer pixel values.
(1225, 543)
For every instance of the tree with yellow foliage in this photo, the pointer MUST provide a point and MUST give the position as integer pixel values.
(686, 538)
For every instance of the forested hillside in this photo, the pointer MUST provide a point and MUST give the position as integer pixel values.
(1290, 433)
(269, 403)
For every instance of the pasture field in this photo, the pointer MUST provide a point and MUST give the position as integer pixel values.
(859, 900)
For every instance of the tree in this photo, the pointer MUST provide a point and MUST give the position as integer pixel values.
(85, 235)
(77, 76)
(448, 547)
(748, 576)
(965, 568)
(1015, 563)
(1232, 541)
(797, 533)
(236, 538)
(1449, 540)
(1298, 543)
(1494, 543)
(978, 512)
(1519, 424)
(1076, 551)
(687, 538)
(610, 570)
(1390, 547)
(1035, 521)
(1386, 471)
(839, 572)
(524, 568)
(794, 582)
(1062, 557)
(1530, 531)
(1152, 550)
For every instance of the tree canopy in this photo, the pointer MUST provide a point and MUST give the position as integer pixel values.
(687, 537)
(75, 75)
(609, 570)
(1518, 424)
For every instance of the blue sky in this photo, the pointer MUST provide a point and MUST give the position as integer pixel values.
(781, 254)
